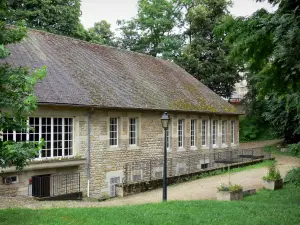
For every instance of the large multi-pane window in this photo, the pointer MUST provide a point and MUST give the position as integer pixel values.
(113, 132)
(224, 131)
(180, 133)
(56, 132)
(193, 132)
(204, 132)
(232, 131)
(168, 134)
(133, 131)
(214, 131)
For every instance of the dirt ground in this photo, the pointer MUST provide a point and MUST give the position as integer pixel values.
(194, 190)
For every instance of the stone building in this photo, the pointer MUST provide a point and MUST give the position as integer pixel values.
(99, 111)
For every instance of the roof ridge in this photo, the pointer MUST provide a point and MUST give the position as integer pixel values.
(96, 44)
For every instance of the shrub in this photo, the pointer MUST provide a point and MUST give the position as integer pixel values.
(273, 173)
(293, 176)
(230, 187)
(294, 149)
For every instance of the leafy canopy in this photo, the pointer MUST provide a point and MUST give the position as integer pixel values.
(267, 46)
(17, 99)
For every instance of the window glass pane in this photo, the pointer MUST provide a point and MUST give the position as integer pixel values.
(193, 132)
(180, 133)
(113, 133)
(132, 131)
(204, 132)
(224, 131)
(46, 135)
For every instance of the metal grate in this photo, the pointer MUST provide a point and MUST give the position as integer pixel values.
(54, 185)
(113, 182)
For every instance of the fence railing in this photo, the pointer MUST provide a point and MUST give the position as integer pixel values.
(152, 169)
(54, 185)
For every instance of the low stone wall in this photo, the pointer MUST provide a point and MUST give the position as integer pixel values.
(123, 190)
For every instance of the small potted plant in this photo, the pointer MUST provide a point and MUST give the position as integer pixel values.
(230, 192)
(273, 180)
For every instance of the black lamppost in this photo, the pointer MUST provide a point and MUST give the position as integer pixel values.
(165, 122)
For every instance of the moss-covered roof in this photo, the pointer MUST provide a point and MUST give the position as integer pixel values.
(82, 73)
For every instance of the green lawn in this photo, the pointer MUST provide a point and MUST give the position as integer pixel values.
(267, 207)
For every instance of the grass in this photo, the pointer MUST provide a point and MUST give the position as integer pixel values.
(274, 150)
(265, 163)
(267, 207)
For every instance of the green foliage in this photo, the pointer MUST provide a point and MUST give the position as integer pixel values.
(58, 16)
(266, 46)
(230, 187)
(153, 30)
(205, 55)
(266, 207)
(17, 100)
(293, 177)
(101, 33)
(252, 129)
(294, 149)
(273, 173)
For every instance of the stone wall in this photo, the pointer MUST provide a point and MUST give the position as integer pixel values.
(108, 162)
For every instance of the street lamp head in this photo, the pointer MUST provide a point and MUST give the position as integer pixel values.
(165, 120)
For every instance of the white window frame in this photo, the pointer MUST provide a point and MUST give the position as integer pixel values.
(169, 134)
(135, 131)
(116, 132)
(204, 133)
(232, 131)
(224, 132)
(180, 133)
(193, 133)
(51, 136)
(215, 132)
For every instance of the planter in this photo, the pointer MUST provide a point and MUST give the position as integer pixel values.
(230, 195)
(273, 184)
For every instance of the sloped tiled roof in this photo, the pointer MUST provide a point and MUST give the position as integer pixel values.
(81, 73)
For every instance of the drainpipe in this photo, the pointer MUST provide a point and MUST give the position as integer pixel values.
(89, 154)
(210, 142)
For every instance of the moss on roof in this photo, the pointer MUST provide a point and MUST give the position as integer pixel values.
(88, 74)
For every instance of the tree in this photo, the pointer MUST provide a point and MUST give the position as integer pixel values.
(17, 99)
(268, 46)
(56, 16)
(205, 54)
(129, 35)
(152, 31)
(101, 33)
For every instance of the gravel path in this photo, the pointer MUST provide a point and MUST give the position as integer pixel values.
(193, 190)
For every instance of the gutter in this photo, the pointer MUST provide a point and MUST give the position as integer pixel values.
(210, 142)
(89, 155)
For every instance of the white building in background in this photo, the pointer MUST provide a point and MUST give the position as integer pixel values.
(240, 90)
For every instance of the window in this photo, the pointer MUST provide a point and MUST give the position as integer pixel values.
(232, 131)
(214, 132)
(133, 131)
(113, 132)
(180, 133)
(224, 131)
(56, 132)
(204, 132)
(168, 134)
(193, 132)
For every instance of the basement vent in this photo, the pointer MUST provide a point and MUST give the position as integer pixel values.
(181, 170)
(113, 182)
(136, 177)
(158, 174)
(204, 166)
